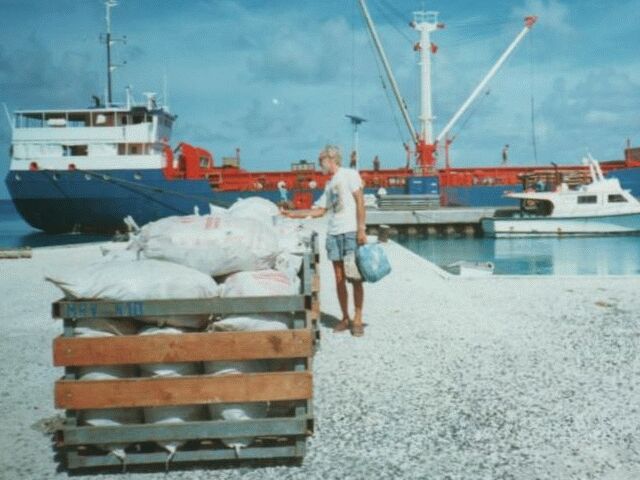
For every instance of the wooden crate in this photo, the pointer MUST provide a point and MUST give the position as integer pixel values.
(291, 392)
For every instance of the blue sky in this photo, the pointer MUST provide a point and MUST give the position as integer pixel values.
(276, 77)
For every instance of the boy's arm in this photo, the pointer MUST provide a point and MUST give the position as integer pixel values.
(360, 217)
(311, 212)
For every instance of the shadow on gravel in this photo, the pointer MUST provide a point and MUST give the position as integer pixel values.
(328, 321)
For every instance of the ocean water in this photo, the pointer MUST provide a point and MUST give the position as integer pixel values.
(612, 255)
(15, 232)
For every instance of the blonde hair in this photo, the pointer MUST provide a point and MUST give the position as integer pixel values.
(332, 152)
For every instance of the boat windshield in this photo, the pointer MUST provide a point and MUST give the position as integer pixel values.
(541, 208)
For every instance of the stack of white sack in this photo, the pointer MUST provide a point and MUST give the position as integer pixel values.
(124, 280)
(175, 413)
(108, 417)
(237, 411)
(216, 245)
(250, 284)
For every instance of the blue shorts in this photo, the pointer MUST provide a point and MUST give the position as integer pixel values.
(339, 245)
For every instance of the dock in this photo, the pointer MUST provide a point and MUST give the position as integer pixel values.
(431, 221)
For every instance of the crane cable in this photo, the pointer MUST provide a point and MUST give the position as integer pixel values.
(386, 90)
(533, 111)
(140, 188)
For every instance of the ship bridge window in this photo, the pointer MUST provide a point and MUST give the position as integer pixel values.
(103, 119)
(137, 119)
(133, 148)
(616, 198)
(74, 150)
(587, 199)
(30, 120)
(204, 162)
(78, 119)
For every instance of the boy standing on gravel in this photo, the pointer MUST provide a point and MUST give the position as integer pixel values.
(343, 199)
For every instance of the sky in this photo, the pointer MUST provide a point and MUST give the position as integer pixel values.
(276, 78)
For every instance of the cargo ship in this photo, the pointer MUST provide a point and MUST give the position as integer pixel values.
(86, 169)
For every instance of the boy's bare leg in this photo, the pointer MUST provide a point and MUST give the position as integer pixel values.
(343, 299)
(358, 300)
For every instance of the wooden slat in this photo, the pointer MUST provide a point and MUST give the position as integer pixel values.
(188, 390)
(197, 306)
(315, 283)
(164, 432)
(184, 347)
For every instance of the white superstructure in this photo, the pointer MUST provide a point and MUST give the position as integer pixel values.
(94, 138)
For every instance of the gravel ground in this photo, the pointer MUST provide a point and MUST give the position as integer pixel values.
(498, 378)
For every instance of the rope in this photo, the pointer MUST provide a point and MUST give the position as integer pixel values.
(136, 187)
(469, 115)
(386, 90)
(382, 4)
(390, 21)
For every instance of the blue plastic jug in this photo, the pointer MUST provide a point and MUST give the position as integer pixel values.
(372, 262)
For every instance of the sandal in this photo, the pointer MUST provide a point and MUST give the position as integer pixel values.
(357, 329)
(342, 325)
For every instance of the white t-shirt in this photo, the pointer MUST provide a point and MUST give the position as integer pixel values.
(339, 201)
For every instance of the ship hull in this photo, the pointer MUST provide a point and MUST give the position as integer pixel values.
(66, 201)
(592, 225)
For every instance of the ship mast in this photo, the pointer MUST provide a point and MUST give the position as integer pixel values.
(426, 22)
(110, 40)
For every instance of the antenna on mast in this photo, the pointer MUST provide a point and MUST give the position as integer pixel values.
(355, 121)
(165, 89)
(110, 40)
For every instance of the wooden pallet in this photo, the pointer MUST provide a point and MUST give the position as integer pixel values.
(290, 392)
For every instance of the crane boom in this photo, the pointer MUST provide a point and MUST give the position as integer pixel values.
(529, 22)
(387, 68)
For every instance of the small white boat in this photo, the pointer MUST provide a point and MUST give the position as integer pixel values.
(599, 208)
(470, 269)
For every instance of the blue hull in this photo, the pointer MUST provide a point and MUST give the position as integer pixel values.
(74, 201)
(479, 196)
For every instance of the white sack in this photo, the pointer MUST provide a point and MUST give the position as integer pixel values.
(123, 280)
(262, 283)
(216, 245)
(256, 208)
(104, 327)
(253, 323)
(293, 236)
(237, 411)
(134, 280)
